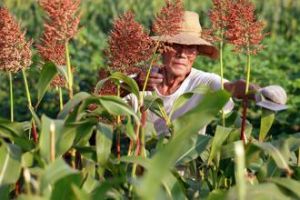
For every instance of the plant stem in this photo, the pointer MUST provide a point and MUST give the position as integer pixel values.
(222, 77)
(298, 160)
(70, 75)
(245, 100)
(52, 142)
(11, 97)
(27, 88)
(248, 73)
(61, 100)
(118, 132)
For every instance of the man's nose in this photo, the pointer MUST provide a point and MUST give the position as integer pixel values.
(181, 52)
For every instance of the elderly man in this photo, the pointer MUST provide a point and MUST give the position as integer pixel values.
(177, 76)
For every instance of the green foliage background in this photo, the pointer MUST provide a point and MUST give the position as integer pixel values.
(278, 63)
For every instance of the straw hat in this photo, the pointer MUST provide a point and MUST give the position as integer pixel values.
(272, 97)
(190, 34)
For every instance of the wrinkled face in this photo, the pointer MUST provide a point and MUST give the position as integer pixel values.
(180, 61)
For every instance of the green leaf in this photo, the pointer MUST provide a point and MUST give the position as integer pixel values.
(64, 188)
(219, 138)
(289, 184)
(64, 138)
(54, 172)
(48, 73)
(279, 159)
(155, 104)
(103, 143)
(267, 119)
(217, 195)
(10, 163)
(264, 191)
(13, 129)
(132, 86)
(195, 147)
(185, 127)
(117, 106)
(69, 106)
(4, 192)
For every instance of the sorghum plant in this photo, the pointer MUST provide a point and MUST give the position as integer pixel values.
(245, 32)
(61, 26)
(15, 53)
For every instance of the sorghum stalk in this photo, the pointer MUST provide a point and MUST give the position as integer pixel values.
(61, 101)
(27, 88)
(70, 75)
(11, 97)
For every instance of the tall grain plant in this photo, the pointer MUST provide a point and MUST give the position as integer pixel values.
(59, 29)
(15, 53)
(129, 46)
(220, 17)
(245, 32)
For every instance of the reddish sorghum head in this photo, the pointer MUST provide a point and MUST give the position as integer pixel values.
(129, 45)
(15, 53)
(61, 26)
(220, 17)
(63, 18)
(168, 21)
(245, 32)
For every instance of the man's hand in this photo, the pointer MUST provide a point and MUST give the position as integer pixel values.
(155, 78)
(237, 89)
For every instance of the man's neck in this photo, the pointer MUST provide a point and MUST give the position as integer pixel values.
(170, 83)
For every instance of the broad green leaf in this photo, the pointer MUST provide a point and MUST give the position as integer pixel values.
(64, 138)
(264, 191)
(10, 163)
(12, 129)
(155, 104)
(64, 188)
(219, 138)
(130, 129)
(47, 74)
(289, 184)
(197, 144)
(69, 106)
(106, 187)
(4, 192)
(103, 143)
(266, 122)
(185, 127)
(54, 172)
(279, 159)
(27, 159)
(130, 82)
(31, 197)
(217, 195)
(79, 193)
(117, 106)
(35, 117)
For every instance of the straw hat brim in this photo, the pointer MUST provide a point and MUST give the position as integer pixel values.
(205, 47)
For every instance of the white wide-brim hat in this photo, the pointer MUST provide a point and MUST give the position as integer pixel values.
(190, 34)
(272, 97)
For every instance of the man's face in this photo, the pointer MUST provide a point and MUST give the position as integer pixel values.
(180, 61)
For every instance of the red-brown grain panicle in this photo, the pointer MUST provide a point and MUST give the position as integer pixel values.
(220, 17)
(63, 17)
(61, 26)
(245, 31)
(129, 45)
(168, 20)
(15, 53)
